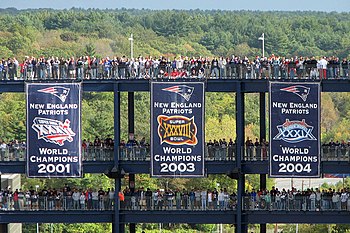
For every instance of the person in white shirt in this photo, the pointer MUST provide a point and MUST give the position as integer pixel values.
(335, 201)
(323, 68)
(222, 66)
(3, 148)
(94, 197)
(313, 201)
(221, 199)
(210, 200)
(82, 201)
(204, 199)
(344, 199)
(76, 198)
(111, 199)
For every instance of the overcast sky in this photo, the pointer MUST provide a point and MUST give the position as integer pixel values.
(264, 5)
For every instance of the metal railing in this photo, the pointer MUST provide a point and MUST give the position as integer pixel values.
(255, 153)
(298, 202)
(88, 154)
(228, 71)
(165, 202)
(212, 153)
(328, 153)
(103, 203)
(135, 153)
(50, 203)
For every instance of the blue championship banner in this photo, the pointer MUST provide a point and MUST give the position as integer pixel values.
(53, 129)
(294, 129)
(177, 129)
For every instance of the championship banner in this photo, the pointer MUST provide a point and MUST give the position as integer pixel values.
(177, 129)
(294, 129)
(53, 129)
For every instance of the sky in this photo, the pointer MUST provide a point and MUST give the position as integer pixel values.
(263, 5)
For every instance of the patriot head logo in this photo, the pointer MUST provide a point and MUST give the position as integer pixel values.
(294, 132)
(53, 131)
(59, 92)
(299, 90)
(183, 90)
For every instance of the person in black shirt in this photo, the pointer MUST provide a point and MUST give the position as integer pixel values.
(231, 149)
(215, 195)
(148, 196)
(210, 147)
(162, 66)
(345, 68)
(291, 68)
(257, 146)
(336, 67)
(215, 67)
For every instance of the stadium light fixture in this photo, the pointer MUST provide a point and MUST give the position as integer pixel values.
(131, 39)
(262, 38)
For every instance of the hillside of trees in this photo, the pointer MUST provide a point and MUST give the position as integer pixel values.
(192, 33)
(78, 32)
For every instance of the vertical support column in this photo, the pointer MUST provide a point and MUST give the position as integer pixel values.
(131, 130)
(240, 135)
(117, 227)
(262, 136)
(262, 114)
(131, 112)
(3, 227)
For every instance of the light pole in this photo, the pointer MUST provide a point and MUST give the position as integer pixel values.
(131, 46)
(262, 38)
(37, 224)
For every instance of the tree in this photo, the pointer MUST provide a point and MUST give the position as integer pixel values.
(90, 49)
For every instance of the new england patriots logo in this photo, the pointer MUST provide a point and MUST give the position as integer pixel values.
(295, 131)
(299, 90)
(183, 90)
(59, 92)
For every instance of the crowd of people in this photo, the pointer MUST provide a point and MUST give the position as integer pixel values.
(217, 150)
(257, 150)
(221, 149)
(64, 198)
(12, 151)
(167, 199)
(297, 200)
(335, 150)
(86, 67)
(92, 150)
(75, 198)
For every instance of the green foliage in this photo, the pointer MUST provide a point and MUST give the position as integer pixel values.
(90, 50)
(210, 182)
(341, 228)
(69, 36)
(69, 228)
(5, 52)
(94, 181)
(306, 228)
(12, 120)
(191, 33)
(98, 115)
(182, 228)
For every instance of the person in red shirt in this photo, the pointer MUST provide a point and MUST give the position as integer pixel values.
(15, 200)
(174, 74)
(23, 67)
